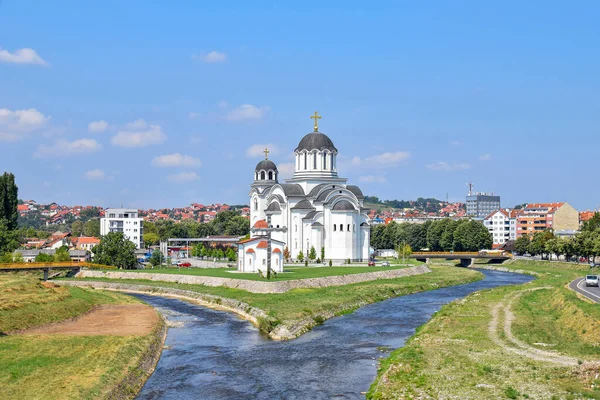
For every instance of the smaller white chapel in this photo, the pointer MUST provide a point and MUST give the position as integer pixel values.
(315, 208)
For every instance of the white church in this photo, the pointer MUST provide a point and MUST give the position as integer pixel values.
(315, 208)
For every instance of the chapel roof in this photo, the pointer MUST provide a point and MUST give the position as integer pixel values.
(265, 165)
(344, 205)
(303, 205)
(292, 189)
(316, 141)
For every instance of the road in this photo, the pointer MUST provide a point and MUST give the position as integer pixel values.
(591, 292)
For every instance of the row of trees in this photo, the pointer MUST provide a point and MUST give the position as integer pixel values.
(441, 235)
(218, 251)
(225, 223)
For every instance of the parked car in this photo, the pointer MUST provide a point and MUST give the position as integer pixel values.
(591, 280)
(184, 264)
(385, 264)
(371, 263)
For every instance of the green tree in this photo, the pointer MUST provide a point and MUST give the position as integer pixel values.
(554, 246)
(538, 242)
(114, 249)
(472, 236)
(323, 253)
(18, 258)
(9, 200)
(45, 258)
(447, 238)
(237, 226)
(9, 240)
(300, 256)
(156, 258)
(150, 238)
(62, 254)
(593, 224)
(404, 251)
(92, 228)
(231, 254)
(434, 234)
(77, 228)
(312, 255)
(6, 258)
(522, 244)
(219, 254)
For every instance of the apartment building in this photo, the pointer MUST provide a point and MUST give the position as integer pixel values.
(502, 225)
(126, 221)
(537, 217)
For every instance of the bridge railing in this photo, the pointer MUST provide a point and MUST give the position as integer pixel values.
(40, 265)
(443, 253)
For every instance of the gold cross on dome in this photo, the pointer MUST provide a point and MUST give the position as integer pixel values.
(266, 154)
(316, 117)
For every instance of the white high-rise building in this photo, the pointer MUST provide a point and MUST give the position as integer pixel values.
(502, 225)
(126, 221)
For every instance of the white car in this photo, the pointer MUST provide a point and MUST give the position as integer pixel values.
(591, 280)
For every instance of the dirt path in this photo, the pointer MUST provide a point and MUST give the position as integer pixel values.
(116, 320)
(515, 345)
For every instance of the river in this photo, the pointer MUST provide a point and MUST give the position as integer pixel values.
(215, 355)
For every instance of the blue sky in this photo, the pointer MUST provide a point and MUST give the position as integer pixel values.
(418, 98)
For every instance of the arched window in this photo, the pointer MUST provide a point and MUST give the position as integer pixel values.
(305, 160)
(255, 204)
(276, 261)
(296, 228)
(249, 261)
(334, 227)
(295, 244)
(348, 227)
(331, 166)
(324, 161)
(314, 160)
(262, 175)
(341, 227)
(270, 175)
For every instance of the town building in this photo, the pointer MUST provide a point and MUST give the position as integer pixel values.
(85, 242)
(502, 225)
(315, 208)
(538, 217)
(126, 221)
(481, 204)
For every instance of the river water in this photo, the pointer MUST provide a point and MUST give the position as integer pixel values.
(215, 355)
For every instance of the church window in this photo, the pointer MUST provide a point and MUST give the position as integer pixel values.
(324, 161)
(314, 160)
(270, 175)
(341, 227)
(334, 227)
(295, 244)
(264, 262)
(348, 227)
(305, 160)
(296, 228)
(249, 261)
(276, 261)
(262, 175)
(332, 162)
(255, 204)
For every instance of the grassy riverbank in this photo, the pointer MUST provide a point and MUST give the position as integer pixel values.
(298, 304)
(61, 366)
(508, 342)
(290, 273)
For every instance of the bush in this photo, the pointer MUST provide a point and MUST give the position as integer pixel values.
(306, 263)
(318, 261)
(511, 392)
(330, 263)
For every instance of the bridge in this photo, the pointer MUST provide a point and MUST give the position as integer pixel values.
(74, 267)
(466, 257)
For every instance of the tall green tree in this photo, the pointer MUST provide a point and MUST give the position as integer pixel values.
(92, 228)
(114, 249)
(593, 224)
(9, 200)
(62, 254)
(9, 240)
(472, 236)
(312, 255)
(522, 244)
(156, 258)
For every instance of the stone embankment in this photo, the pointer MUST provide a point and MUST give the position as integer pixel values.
(260, 286)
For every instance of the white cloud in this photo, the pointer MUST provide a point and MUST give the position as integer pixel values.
(65, 148)
(213, 57)
(247, 112)
(485, 157)
(139, 134)
(183, 177)
(286, 170)
(22, 56)
(94, 175)
(257, 150)
(97, 126)
(193, 115)
(444, 166)
(176, 160)
(372, 179)
(383, 160)
(14, 125)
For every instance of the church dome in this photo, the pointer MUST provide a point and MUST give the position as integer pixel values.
(343, 205)
(266, 165)
(316, 141)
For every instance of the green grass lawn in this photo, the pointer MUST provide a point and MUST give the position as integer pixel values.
(289, 273)
(300, 303)
(59, 366)
(452, 356)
